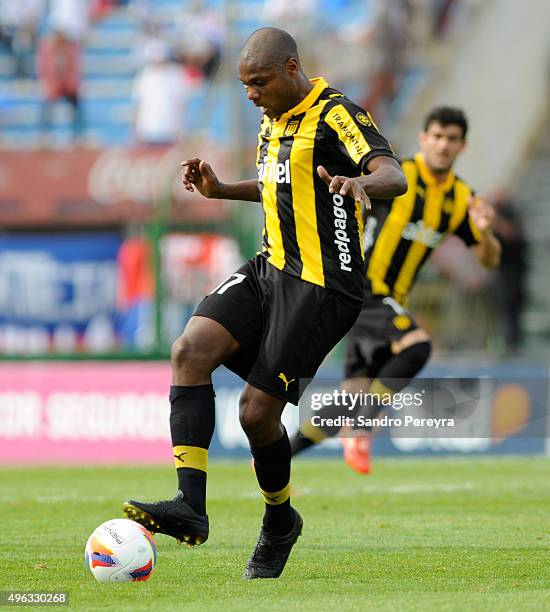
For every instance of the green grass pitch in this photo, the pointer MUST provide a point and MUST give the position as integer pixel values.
(418, 534)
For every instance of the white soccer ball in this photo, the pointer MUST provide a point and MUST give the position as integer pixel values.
(120, 550)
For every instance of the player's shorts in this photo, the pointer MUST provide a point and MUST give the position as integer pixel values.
(381, 321)
(285, 326)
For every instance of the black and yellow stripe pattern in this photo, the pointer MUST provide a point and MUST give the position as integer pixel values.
(308, 232)
(404, 233)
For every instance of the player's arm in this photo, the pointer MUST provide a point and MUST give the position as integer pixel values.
(488, 248)
(385, 180)
(197, 174)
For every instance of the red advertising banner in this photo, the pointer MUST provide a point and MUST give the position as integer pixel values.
(102, 187)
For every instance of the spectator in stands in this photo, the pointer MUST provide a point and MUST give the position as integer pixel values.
(151, 30)
(70, 16)
(160, 90)
(512, 273)
(388, 42)
(199, 38)
(19, 24)
(58, 64)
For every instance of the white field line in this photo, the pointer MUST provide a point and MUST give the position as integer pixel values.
(301, 491)
(396, 490)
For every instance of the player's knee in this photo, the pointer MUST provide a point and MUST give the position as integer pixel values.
(181, 351)
(251, 416)
(255, 418)
(187, 355)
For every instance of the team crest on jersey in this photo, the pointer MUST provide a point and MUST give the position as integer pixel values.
(364, 119)
(291, 127)
(402, 322)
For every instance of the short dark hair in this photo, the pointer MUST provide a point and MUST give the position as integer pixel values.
(269, 47)
(447, 115)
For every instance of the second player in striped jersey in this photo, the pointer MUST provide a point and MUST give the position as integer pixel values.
(386, 348)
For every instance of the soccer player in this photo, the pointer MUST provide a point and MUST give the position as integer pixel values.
(320, 158)
(386, 348)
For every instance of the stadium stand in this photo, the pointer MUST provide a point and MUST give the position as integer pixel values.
(107, 72)
(109, 65)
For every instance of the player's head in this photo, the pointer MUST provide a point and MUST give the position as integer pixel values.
(270, 70)
(443, 137)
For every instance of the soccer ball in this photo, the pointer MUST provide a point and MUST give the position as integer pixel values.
(120, 550)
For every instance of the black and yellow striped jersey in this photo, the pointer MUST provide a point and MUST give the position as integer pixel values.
(308, 232)
(400, 237)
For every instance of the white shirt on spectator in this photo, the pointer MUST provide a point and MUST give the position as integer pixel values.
(160, 91)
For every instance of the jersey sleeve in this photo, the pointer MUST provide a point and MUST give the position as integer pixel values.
(462, 225)
(468, 232)
(358, 136)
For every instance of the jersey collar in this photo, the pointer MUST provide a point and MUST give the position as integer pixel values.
(427, 176)
(319, 84)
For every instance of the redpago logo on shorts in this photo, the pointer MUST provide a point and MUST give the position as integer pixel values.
(341, 232)
(274, 172)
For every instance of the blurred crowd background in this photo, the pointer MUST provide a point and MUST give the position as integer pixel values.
(103, 253)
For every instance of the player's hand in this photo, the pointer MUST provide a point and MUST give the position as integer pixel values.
(344, 185)
(481, 213)
(196, 173)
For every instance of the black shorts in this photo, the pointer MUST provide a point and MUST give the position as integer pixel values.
(381, 321)
(285, 326)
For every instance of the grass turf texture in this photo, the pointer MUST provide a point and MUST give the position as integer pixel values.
(447, 534)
